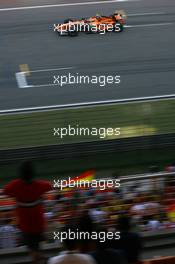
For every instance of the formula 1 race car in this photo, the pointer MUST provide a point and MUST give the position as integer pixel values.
(96, 24)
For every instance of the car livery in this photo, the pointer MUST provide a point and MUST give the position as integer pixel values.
(95, 24)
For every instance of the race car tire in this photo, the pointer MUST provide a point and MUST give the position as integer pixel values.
(61, 34)
(89, 30)
(68, 20)
(73, 33)
(118, 28)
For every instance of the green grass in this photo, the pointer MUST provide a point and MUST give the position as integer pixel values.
(136, 119)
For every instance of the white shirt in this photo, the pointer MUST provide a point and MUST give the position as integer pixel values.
(8, 236)
(68, 257)
(153, 225)
(97, 215)
(138, 208)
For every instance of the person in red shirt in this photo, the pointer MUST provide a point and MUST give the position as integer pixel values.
(28, 193)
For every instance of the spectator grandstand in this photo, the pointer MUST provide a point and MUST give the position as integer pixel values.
(149, 200)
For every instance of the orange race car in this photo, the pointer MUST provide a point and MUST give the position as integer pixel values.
(96, 24)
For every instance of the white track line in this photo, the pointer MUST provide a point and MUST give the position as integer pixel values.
(54, 69)
(147, 14)
(21, 80)
(87, 104)
(149, 25)
(64, 5)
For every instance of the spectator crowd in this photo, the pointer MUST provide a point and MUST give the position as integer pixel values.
(136, 207)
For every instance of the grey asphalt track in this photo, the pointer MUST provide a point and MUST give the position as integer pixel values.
(143, 56)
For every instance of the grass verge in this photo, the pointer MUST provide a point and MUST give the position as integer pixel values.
(134, 119)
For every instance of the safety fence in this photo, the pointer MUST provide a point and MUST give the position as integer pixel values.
(77, 150)
(162, 260)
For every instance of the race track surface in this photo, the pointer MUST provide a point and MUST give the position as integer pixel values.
(143, 55)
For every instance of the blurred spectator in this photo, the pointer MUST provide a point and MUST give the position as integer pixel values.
(8, 234)
(137, 209)
(97, 214)
(85, 224)
(53, 226)
(72, 254)
(30, 212)
(153, 225)
(151, 210)
(129, 242)
(104, 255)
(170, 168)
